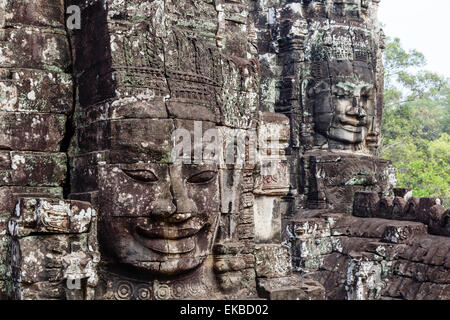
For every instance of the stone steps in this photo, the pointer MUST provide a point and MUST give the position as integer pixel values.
(387, 230)
(428, 211)
(397, 259)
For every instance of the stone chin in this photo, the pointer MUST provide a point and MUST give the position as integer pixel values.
(350, 135)
(185, 251)
(171, 267)
(158, 263)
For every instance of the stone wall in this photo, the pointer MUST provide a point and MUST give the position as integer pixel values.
(54, 251)
(372, 256)
(35, 100)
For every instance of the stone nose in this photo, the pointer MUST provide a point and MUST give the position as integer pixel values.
(357, 109)
(178, 190)
(183, 203)
(162, 208)
(173, 206)
(186, 205)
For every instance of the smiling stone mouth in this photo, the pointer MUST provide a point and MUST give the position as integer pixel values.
(166, 233)
(168, 240)
(352, 128)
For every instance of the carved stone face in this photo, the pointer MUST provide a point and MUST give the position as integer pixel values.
(344, 111)
(352, 108)
(159, 217)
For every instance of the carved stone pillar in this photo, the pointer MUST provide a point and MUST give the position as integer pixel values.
(35, 99)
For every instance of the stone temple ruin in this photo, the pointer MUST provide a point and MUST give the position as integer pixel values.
(292, 203)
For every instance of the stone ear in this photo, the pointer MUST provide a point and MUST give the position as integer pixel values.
(314, 87)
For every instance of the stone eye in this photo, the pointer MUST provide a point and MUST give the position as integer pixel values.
(202, 177)
(341, 94)
(141, 175)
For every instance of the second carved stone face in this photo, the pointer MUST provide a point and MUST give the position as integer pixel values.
(159, 217)
(352, 108)
(344, 107)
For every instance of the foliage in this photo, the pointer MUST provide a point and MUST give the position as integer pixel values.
(416, 123)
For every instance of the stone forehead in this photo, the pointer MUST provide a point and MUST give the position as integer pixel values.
(189, 73)
(340, 43)
(178, 57)
(342, 71)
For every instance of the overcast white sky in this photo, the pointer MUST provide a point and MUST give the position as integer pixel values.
(421, 25)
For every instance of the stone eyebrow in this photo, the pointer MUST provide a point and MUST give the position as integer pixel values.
(367, 86)
(348, 86)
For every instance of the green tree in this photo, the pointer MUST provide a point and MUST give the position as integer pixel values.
(416, 122)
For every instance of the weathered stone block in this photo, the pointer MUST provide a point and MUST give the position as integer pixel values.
(63, 250)
(312, 228)
(402, 192)
(247, 200)
(84, 171)
(421, 272)
(335, 262)
(267, 219)
(364, 278)
(272, 261)
(7, 202)
(36, 13)
(138, 105)
(238, 149)
(336, 177)
(231, 189)
(273, 178)
(273, 140)
(361, 228)
(31, 131)
(290, 288)
(239, 104)
(306, 292)
(245, 231)
(226, 263)
(398, 206)
(50, 216)
(410, 210)
(388, 251)
(10, 195)
(246, 216)
(403, 232)
(310, 248)
(36, 91)
(439, 223)
(425, 205)
(365, 204)
(5, 242)
(385, 208)
(35, 258)
(34, 169)
(39, 291)
(30, 49)
(273, 132)
(130, 135)
(233, 248)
